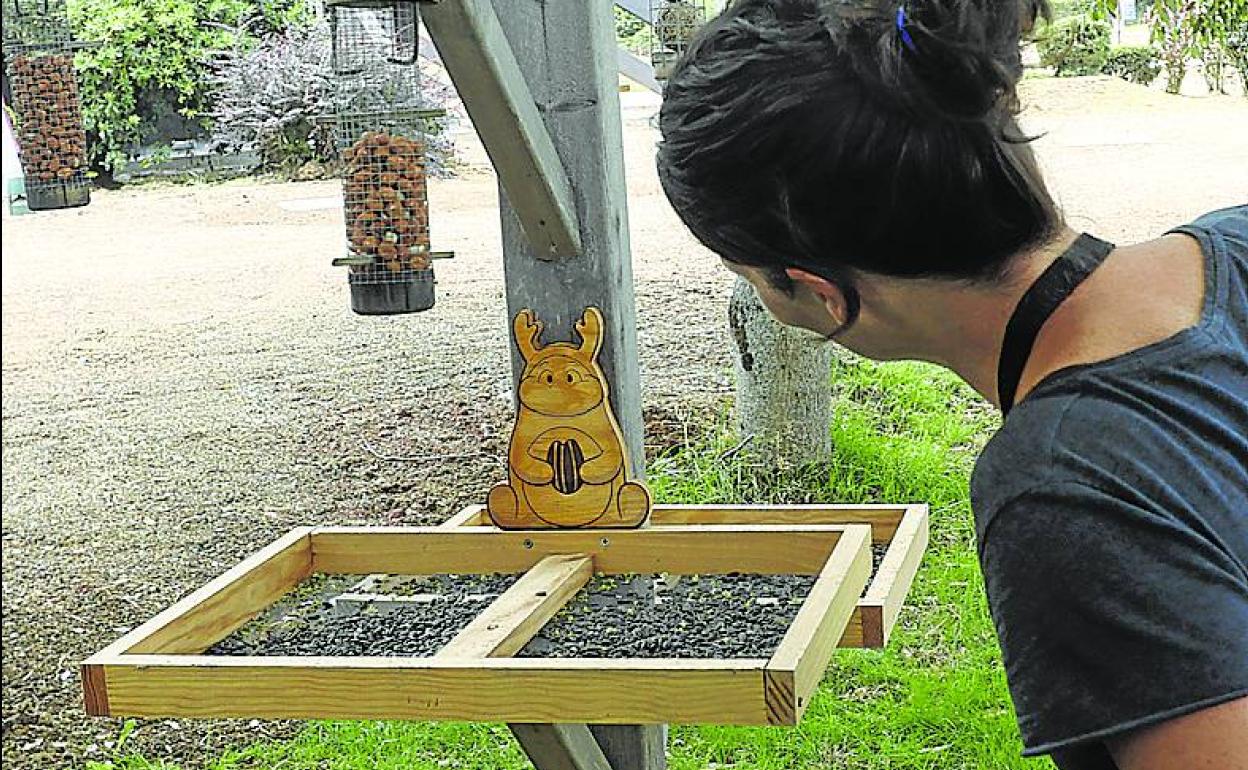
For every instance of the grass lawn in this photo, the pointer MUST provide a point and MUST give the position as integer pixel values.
(935, 699)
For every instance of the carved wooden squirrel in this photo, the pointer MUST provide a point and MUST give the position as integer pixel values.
(567, 465)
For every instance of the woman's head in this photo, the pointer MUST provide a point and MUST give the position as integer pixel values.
(856, 137)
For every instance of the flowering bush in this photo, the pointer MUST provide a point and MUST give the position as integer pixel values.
(277, 98)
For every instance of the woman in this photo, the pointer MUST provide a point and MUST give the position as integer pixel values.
(859, 162)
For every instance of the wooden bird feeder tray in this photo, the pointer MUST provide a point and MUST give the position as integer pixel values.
(158, 669)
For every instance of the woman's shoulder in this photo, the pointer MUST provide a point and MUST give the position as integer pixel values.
(1229, 225)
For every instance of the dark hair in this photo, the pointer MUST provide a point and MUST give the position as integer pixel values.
(800, 133)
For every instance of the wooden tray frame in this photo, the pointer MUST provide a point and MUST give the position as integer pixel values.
(902, 528)
(158, 669)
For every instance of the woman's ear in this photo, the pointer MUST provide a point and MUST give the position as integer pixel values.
(833, 297)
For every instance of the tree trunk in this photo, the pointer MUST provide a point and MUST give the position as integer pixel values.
(784, 399)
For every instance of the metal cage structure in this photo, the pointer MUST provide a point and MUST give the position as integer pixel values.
(380, 129)
(673, 24)
(47, 113)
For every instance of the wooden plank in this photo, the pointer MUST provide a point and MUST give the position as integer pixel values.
(853, 635)
(592, 691)
(483, 68)
(471, 516)
(561, 747)
(896, 572)
(799, 662)
(511, 620)
(94, 690)
(633, 747)
(211, 613)
(870, 626)
(638, 8)
(699, 549)
(883, 519)
(637, 70)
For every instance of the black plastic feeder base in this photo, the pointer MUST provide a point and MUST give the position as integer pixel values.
(405, 294)
(47, 197)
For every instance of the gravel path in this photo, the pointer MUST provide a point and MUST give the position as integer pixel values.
(183, 383)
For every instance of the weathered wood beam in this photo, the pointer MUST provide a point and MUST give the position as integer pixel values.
(640, 72)
(560, 747)
(566, 50)
(483, 67)
(638, 8)
(633, 747)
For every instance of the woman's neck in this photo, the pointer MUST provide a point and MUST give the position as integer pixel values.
(1142, 294)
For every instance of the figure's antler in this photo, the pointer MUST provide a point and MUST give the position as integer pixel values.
(590, 329)
(527, 329)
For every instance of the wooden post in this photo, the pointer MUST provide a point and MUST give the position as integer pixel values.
(633, 747)
(566, 50)
(561, 747)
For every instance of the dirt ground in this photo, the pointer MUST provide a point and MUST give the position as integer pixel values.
(183, 381)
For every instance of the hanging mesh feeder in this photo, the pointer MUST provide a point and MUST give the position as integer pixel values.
(380, 131)
(674, 24)
(47, 113)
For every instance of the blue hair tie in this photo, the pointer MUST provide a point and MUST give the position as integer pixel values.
(905, 33)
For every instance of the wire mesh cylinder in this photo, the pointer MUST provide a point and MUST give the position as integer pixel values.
(35, 23)
(375, 46)
(675, 22)
(380, 134)
(48, 125)
(385, 195)
(47, 113)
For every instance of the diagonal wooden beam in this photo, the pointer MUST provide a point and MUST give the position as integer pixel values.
(483, 68)
(560, 747)
(511, 621)
(640, 72)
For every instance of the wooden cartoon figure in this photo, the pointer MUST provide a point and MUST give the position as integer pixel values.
(567, 464)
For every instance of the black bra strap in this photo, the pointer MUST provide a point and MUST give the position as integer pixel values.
(1049, 291)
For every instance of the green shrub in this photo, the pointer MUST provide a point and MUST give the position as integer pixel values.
(631, 33)
(1136, 63)
(1065, 9)
(159, 48)
(1237, 50)
(1075, 46)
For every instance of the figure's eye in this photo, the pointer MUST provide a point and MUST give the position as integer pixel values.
(550, 379)
(571, 379)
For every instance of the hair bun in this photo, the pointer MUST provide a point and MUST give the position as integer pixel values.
(956, 59)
